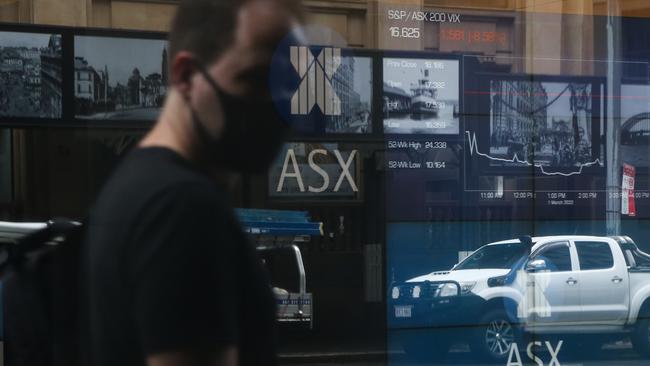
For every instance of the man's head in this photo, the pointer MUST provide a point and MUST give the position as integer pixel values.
(239, 35)
(220, 53)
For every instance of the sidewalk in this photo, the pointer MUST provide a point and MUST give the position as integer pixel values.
(363, 353)
(332, 350)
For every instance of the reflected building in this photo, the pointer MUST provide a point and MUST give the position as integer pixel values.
(32, 78)
(153, 90)
(11, 61)
(134, 88)
(91, 87)
(537, 105)
(165, 68)
(119, 94)
(638, 132)
(32, 54)
(52, 78)
(100, 85)
(343, 85)
(146, 91)
(83, 80)
(94, 93)
(518, 110)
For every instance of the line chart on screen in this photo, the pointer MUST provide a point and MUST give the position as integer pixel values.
(515, 159)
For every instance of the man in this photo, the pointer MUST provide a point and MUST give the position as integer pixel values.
(169, 277)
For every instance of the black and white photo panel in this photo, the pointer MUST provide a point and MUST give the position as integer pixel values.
(31, 75)
(119, 78)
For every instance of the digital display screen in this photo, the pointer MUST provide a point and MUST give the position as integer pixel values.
(425, 170)
(31, 75)
(110, 86)
(324, 90)
(421, 96)
(352, 84)
(530, 145)
(635, 125)
(541, 124)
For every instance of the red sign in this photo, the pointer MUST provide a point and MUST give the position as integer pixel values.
(627, 197)
(462, 35)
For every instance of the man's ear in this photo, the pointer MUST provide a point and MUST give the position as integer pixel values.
(182, 70)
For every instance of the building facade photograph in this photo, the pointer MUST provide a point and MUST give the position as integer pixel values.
(111, 87)
(31, 74)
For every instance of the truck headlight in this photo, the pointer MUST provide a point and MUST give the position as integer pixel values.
(448, 289)
(395, 293)
(466, 287)
(416, 292)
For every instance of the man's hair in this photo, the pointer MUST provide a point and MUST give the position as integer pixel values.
(204, 27)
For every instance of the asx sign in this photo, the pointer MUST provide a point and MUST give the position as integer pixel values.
(514, 355)
(319, 85)
(316, 72)
(321, 170)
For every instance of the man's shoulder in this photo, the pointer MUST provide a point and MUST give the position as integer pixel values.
(149, 177)
(159, 166)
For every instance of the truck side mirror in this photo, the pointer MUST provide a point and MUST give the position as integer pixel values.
(536, 265)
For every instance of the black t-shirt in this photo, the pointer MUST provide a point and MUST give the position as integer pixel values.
(168, 268)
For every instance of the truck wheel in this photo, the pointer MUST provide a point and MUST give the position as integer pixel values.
(494, 336)
(641, 337)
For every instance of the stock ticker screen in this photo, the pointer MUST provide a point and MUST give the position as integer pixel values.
(486, 140)
(465, 134)
(497, 128)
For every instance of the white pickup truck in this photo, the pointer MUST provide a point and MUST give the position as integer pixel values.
(544, 286)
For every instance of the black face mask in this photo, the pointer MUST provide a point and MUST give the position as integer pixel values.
(252, 135)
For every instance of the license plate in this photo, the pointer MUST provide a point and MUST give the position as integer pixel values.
(403, 311)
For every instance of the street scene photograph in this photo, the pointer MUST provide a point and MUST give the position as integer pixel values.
(635, 125)
(30, 75)
(352, 84)
(119, 78)
(541, 123)
(420, 96)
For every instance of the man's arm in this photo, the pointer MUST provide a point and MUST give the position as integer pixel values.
(224, 357)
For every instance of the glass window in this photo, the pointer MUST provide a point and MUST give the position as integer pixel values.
(641, 259)
(493, 256)
(557, 257)
(594, 255)
(422, 132)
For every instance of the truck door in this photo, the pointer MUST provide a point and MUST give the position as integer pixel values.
(551, 289)
(604, 288)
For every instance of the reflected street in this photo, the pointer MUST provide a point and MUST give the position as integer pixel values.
(619, 354)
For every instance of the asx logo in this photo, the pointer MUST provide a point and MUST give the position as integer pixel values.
(343, 165)
(514, 356)
(316, 73)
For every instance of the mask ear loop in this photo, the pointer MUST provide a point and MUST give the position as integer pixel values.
(206, 139)
(209, 79)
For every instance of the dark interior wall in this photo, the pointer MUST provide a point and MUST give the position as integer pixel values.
(58, 172)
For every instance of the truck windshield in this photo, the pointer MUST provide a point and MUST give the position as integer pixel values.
(502, 256)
